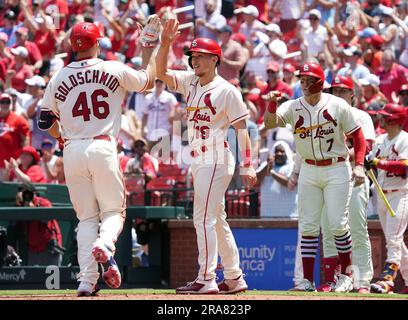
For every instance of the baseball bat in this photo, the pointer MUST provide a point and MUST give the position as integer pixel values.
(380, 192)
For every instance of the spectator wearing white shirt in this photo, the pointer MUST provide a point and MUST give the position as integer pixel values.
(316, 36)
(158, 113)
(251, 24)
(207, 26)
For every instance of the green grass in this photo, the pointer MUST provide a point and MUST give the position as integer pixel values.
(171, 292)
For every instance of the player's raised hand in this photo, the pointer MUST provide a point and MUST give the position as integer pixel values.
(151, 32)
(170, 31)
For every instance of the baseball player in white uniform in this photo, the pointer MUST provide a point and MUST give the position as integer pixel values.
(343, 87)
(213, 105)
(320, 122)
(390, 153)
(81, 106)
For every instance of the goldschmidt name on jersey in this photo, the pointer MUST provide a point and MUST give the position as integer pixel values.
(82, 77)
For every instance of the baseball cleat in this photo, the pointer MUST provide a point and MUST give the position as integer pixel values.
(344, 284)
(305, 285)
(383, 286)
(87, 289)
(326, 287)
(110, 270)
(230, 286)
(363, 290)
(210, 287)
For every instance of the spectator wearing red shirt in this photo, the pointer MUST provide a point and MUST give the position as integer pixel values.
(273, 84)
(392, 75)
(143, 162)
(19, 70)
(43, 29)
(34, 54)
(234, 56)
(158, 4)
(370, 91)
(14, 133)
(27, 168)
(44, 238)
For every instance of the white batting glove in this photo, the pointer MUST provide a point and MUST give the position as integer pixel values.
(151, 32)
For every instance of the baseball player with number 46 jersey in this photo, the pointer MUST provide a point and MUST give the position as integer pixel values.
(390, 153)
(320, 122)
(82, 107)
(213, 105)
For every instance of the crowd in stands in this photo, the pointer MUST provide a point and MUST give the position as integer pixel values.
(263, 43)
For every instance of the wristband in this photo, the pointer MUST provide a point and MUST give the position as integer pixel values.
(272, 107)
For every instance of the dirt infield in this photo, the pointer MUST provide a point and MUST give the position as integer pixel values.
(174, 297)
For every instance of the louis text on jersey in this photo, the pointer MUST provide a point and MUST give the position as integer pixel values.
(88, 76)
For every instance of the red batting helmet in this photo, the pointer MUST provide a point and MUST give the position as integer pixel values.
(84, 35)
(342, 82)
(313, 70)
(394, 114)
(204, 45)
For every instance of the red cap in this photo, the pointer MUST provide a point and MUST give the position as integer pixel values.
(239, 37)
(376, 40)
(289, 67)
(342, 82)
(273, 66)
(31, 150)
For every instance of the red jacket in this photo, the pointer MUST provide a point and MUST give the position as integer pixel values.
(40, 233)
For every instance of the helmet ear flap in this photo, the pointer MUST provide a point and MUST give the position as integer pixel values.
(317, 86)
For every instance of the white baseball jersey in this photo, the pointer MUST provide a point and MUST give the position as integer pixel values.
(366, 122)
(211, 109)
(319, 130)
(86, 95)
(395, 149)
(158, 108)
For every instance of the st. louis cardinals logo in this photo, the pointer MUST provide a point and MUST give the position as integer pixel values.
(320, 132)
(194, 44)
(197, 116)
(207, 102)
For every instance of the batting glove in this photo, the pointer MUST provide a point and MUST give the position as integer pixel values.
(370, 162)
(151, 32)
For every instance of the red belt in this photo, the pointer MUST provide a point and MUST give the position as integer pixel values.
(205, 149)
(323, 163)
(389, 191)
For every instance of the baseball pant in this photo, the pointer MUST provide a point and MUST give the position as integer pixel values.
(394, 228)
(361, 256)
(329, 186)
(214, 235)
(97, 192)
